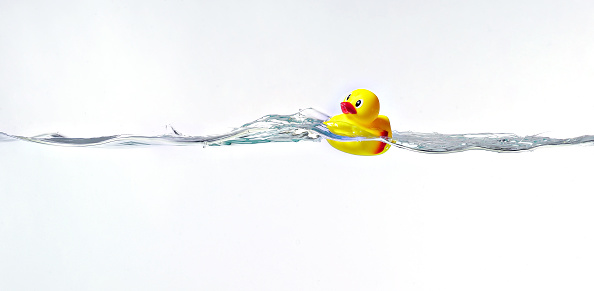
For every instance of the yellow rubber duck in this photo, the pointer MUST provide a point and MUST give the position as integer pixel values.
(360, 119)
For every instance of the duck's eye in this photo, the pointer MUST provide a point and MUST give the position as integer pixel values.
(348, 97)
(359, 103)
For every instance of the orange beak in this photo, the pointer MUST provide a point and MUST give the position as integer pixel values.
(348, 108)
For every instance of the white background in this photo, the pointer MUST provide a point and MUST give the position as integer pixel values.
(299, 216)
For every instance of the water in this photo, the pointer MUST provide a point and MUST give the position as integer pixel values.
(307, 125)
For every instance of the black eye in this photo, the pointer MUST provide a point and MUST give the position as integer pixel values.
(347, 99)
(359, 102)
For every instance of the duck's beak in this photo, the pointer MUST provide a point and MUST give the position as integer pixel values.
(348, 108)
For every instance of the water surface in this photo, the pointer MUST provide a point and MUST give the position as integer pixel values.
(307, 125)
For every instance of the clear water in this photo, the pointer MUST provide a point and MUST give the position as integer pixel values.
(307, 125)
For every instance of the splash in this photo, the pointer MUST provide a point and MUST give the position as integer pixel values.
(307, 125)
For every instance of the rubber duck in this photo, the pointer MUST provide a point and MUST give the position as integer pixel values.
(360, 119)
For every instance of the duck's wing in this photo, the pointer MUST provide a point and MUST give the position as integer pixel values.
(382, 122)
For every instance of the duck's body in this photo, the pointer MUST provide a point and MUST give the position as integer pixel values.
(360, 119)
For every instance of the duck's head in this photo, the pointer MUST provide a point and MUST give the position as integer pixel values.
(361, 105)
